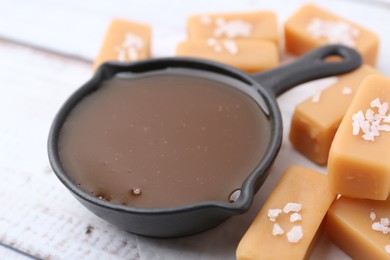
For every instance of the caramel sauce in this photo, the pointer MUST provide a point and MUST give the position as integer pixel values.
(164, 140)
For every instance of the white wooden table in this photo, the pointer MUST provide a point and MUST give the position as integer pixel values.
(46, 50)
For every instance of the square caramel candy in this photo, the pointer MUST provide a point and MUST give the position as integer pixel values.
(315, 120)
(125, 41)
(359, 157)
(261, 25)
(311, 27)
(288, 224)
(250, 56)
(360, 227)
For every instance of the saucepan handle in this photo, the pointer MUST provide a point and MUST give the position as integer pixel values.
(309, 67)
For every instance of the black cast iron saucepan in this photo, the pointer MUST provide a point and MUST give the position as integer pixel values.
(190, 219)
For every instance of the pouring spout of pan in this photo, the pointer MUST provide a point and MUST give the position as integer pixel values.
(309, 67)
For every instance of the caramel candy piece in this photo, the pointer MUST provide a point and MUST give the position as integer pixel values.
(311, 27)
(250, 56)
(360, 227)
(359, 158)
(252, 25)
(287, 224)
(125, 41)
(315, 120)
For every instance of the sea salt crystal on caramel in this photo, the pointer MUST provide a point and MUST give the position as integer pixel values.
(370, 123)
(379, 226)
(295, 207)
(351, 225)
(125, 41)
(273, 214)
(315, 120)
(295, 234)
(260, 25)
(277, 230)
(250, 56)
(311, 27)
(359, 158)
(232, 29)
(299, 189)
(335, 32)
(295, 217)
(346, 90)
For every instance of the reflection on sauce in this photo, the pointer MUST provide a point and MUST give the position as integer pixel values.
(163, 140)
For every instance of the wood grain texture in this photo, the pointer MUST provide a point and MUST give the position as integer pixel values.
(37, 214)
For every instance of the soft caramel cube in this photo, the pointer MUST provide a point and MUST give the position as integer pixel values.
(311, 27)
(315, 120)
(359, 158)
(287, 225)
(250, 56)
(360, 227)
(252, 25)
(125, 41)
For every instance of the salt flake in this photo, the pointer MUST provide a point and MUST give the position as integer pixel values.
(355, 128)
(295, 234)
(384, 222)
(377, 226)
(365, 126)
(370, 115)
(230, 46)
(359, 116)
(132, 53)
(333, 31)
(383, 108)
(346, 91)
(387, 249)
(370, 121)
(372, 216)
(368, 137)
(375, 103)
(277, 230)
(273, 214)
(232, 29)
(211, 42)
(296, 207)
(128, 49)
(295, 217)
(316, 97)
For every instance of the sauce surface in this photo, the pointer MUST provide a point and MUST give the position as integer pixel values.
(163, 140)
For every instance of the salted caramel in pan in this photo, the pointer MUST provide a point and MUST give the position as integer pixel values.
(164, 140)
